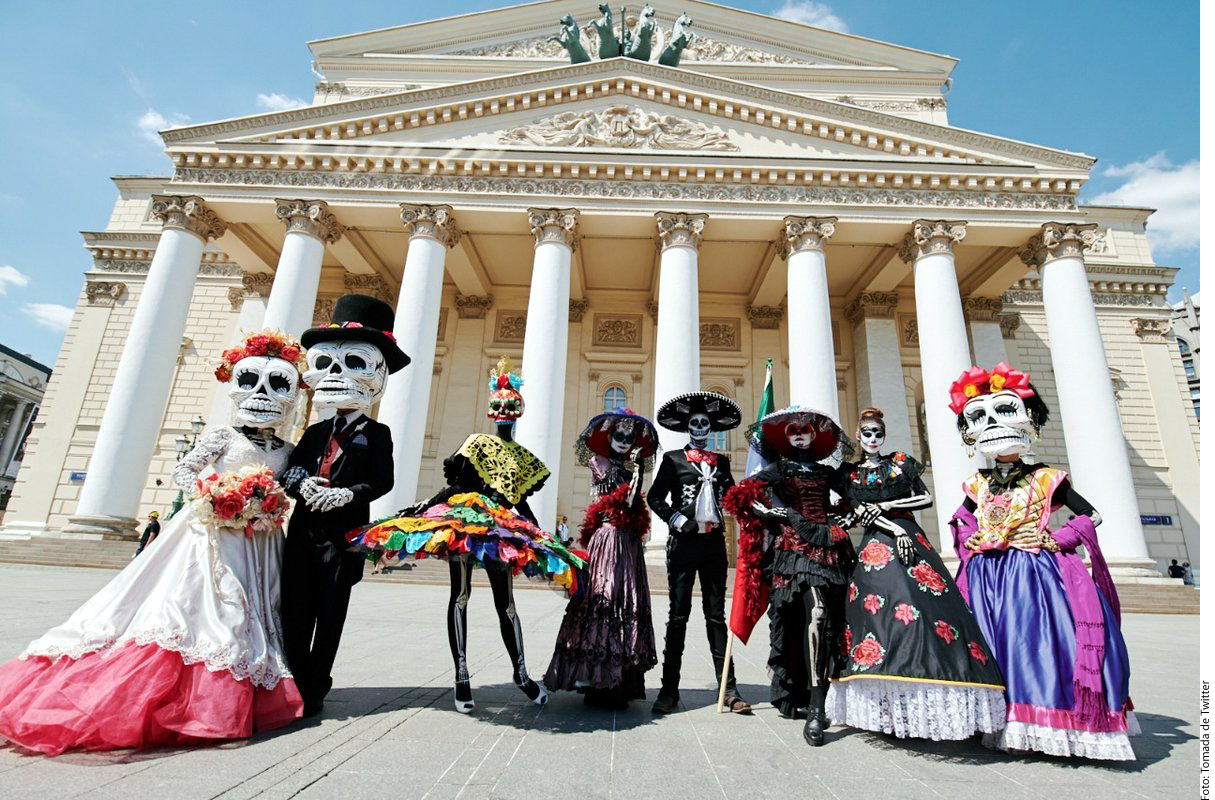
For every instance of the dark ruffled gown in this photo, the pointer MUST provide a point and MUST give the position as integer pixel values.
(915, 660)
(606, 641)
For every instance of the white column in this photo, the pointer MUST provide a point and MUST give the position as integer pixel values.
(16, 426)
(944, 355)
(879, 366)
(405, 406)
(677, 345)
(812, 380)
(310, 226)
(986, 332)
(126, 439)
(1092, 428)
(545, 345)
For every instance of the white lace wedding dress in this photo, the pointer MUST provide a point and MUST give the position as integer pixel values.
(183, 645)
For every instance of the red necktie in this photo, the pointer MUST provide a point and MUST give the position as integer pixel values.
(333, 448)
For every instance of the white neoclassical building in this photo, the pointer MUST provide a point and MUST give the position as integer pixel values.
(628, 230)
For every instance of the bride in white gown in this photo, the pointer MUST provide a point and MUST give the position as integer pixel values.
(184, 645)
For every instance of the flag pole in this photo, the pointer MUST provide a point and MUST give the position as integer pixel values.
(766, 407)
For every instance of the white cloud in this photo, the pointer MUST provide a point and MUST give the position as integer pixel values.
(49, 315)
(152, 122)
(12, 276)
(809, 12)
(1171, 189)
(279, 102)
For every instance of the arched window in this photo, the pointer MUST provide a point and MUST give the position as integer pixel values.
(1183, 345)
(614, 398)
(719, 441)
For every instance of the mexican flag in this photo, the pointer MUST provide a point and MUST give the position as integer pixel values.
(767, 404)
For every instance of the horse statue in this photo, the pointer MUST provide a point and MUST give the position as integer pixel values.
(571, 39)
(609, 45)
(681, 37)
(643, 35)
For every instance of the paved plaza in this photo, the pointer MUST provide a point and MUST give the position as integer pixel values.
(389, 729)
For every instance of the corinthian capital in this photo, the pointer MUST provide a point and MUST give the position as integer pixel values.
(930, 237)
(680, 230)
(558, 225)
(1059, 240)
(806, 233)
(431, 222)
(982, 309)
(871, 305)
(312, 217)
(188, 213)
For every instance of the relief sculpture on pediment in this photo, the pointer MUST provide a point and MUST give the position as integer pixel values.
(619, 126)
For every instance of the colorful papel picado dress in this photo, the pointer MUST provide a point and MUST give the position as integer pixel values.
(487, 477)
(1054, 628)
(915, 663)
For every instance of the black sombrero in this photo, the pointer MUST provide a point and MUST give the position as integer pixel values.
(359, 318)
(723, 413)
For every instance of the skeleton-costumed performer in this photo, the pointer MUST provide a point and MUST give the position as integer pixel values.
(1054, 628)
(482, 518)
(794, 558)
(183, 646)
(606, 641)
(339, 467)
(686, 494)
(915, 661)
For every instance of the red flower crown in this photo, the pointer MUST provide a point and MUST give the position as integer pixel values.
(977, 381)
(274, 344)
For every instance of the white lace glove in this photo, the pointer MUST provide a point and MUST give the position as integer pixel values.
(206, 451)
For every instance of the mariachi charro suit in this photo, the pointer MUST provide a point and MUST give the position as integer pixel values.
(692, 551)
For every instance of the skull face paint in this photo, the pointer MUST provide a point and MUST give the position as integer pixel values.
(263, 391)
(998, 424)
(345, 375)
(800, 435)
(698, 430)
(872, 436)
(623, 437)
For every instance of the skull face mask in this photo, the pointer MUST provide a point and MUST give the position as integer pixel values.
(263, 390)
(699, 426)
(345, 375)
(800, 435)
(872, 436)
(505, 406)
(998, 424)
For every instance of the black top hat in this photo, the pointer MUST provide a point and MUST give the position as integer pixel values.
(723, 412)
(359, 318)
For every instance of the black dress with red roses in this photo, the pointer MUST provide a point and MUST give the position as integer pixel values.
(915, 663)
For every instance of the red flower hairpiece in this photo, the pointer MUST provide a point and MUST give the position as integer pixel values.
(274, 344)
(977, 381)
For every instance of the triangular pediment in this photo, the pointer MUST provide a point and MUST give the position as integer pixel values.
(615, 105)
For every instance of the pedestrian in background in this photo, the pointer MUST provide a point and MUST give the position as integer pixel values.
(150, 532)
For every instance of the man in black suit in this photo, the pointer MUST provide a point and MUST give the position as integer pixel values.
(339, 466)
(687, 493)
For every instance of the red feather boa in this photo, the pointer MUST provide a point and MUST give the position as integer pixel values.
(619, 512)
(749, 582)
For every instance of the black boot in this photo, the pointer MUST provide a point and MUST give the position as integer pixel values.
(816, 718)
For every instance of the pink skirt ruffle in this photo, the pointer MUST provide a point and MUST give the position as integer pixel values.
(136, 696)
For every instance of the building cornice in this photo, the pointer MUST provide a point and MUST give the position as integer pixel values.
(813, 117)
(1115, 293)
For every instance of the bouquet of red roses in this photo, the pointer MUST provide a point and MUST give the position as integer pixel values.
(249, 500)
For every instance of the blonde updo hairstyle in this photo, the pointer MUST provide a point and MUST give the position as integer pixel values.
(872, 415)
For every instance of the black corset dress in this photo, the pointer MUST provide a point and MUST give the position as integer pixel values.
(914, 660)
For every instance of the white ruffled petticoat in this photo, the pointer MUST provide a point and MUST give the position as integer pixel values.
(1024, 736)
(917, 710)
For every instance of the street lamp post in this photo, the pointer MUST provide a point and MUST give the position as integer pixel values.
(184, 444)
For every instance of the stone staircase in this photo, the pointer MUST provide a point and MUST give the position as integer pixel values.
(1137, 598)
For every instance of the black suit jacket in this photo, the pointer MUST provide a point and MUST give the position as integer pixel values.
(364, 466)
(675, 486)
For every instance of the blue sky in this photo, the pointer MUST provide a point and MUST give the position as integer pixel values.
(85, 85)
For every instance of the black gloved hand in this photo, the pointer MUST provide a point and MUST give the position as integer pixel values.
(689, 526)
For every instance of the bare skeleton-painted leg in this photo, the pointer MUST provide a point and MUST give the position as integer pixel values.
(460, 571)
(503, 587)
